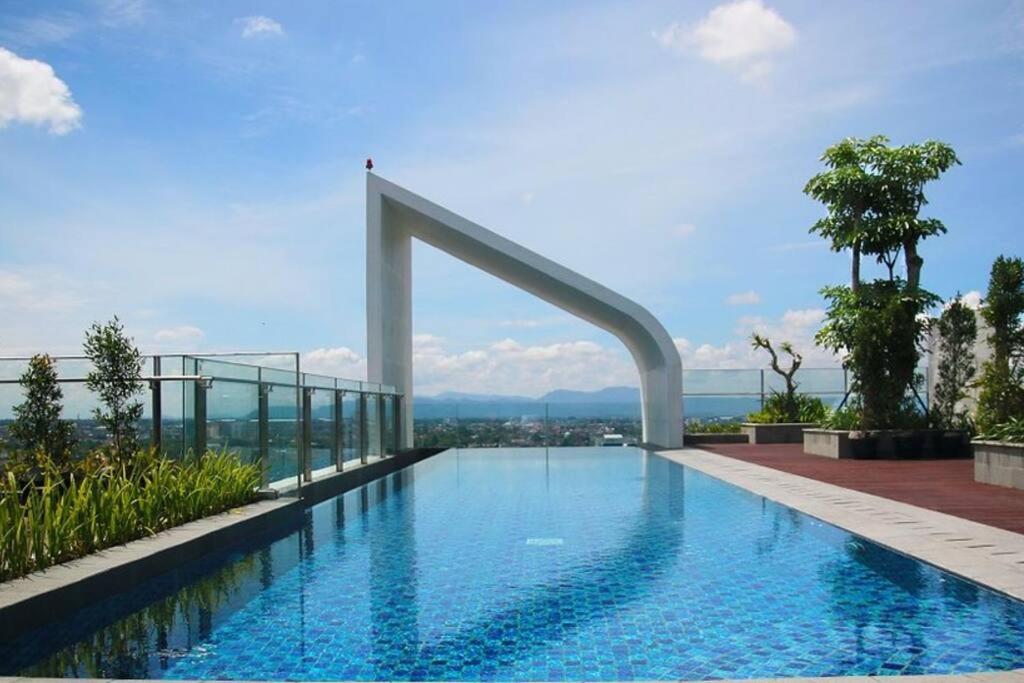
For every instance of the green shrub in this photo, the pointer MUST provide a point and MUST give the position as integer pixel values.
(59, 516)
(712, 427)
(1001, 398)
(845, 419)
(1011, 430)
(796, 408)
(116, 378)
(37, 426)
(958, 331)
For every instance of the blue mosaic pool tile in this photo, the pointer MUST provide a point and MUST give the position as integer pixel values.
(603, 564)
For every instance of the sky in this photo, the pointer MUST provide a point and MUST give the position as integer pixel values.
(196, 168)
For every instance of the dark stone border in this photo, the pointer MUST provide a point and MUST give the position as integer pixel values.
(698, 438)
(776, 432)
(59, 591)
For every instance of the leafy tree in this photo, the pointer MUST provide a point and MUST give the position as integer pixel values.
(958, 331)
(116, 378)
(1002, 376)
(37, 427)
(873, 194)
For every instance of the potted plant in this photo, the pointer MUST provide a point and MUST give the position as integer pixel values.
(784, 415)
(873, 194)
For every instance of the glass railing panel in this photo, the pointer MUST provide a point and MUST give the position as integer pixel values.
(276, 376)
(594, 423)
(350, 428)
(436, 424)
(319, 381)
(216, 368)
(282, 434)
(388, 426)
(348, 384)
(373, 426)
(232, 419)
(710, 382)
(322, 432)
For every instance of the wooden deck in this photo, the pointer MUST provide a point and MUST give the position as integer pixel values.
(941, 485)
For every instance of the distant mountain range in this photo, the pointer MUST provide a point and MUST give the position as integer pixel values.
(610, 402)
(606, 395)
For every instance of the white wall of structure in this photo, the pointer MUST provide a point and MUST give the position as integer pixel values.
(394, 216)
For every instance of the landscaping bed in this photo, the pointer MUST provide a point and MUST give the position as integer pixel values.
(778, 432)
(887, 444)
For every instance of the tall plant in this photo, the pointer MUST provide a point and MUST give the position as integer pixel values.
(958, 330)
(37, 426)
(788, 400)
(116, 379)
(873, 194)
(1002, 376)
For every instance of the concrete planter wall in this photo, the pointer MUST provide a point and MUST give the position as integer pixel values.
(777, 432)
(696, 439)
(887, 444)
(999, 462)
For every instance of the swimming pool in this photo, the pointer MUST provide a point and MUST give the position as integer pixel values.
(533, 564)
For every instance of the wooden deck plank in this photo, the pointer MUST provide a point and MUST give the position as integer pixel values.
(942, 485)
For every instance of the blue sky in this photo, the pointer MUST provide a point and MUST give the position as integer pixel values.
(196, 167)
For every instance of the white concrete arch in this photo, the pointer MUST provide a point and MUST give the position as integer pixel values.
(394, 216)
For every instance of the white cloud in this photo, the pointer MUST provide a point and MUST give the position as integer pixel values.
(183, 335)
(797, 326)
(339, 361)
(510, 367)
(260, 27)
(743, 299)
(971, 299)
(744, 35)
(30, 92)
(684, 230)
(117, 13)
(35, 294)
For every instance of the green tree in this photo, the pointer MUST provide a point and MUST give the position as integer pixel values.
(787, 401)
(873, 194)
(958, 330)
(1002, 376)
(37, 427)
(116, 379)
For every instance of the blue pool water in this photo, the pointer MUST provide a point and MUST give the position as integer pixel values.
(568, 564)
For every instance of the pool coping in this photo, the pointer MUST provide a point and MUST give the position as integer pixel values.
(984, 554)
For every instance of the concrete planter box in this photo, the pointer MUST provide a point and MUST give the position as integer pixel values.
(776, 432)
(999, 462)
(887, 444)
(696, 439)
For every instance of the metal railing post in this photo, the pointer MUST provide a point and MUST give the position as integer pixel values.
(546, 434)
(263, 428)
(337, 442)
(364, 438)
(762, 389)
(157, 409)
(199, 419)
(307, 433)
(396, 422)
(382, 432)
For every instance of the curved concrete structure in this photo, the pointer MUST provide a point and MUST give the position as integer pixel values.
(394, 216)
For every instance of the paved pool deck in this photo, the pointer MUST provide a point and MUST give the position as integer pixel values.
(941, 485)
